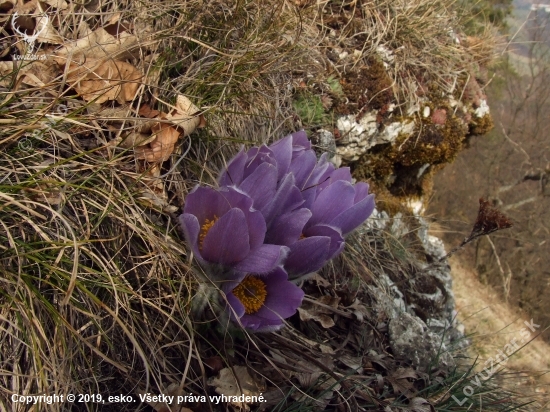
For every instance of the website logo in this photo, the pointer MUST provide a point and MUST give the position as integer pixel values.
(43, 21)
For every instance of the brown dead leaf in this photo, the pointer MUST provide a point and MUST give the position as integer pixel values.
(353, 362)
(38, 74)
(420, 405)
(154, 193)
(184, 118)
(45, 192)
(359, 310)
(319, 280)
(317, 379)
(319, 313)
(236, 382)
(186, 115)
(104, 80)
(215, 363)
(400, 382)
(146, 111)
(160, 149)
(99, 44)
(325, 320)
(6, 68)
(58, 4)
(6, 5)
(35, 73)
(47, 33)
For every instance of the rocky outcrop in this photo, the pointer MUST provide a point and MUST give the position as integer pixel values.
(397, 134)
(419, 307)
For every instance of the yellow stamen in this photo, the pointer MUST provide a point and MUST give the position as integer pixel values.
(252, 293)
(302, 236)
(205, 228)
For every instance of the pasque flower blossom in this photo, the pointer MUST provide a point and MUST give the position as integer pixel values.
(261, 303)
(224, 230)
(280, 213)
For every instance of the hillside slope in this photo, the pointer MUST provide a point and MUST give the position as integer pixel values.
(492, 324)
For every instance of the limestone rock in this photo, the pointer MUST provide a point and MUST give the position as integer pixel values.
(411, 339)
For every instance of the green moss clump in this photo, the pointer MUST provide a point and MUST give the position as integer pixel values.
(309, 108)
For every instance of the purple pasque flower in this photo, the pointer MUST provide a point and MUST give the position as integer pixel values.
(339, 203)
(261, 302)
(294, 155)
(256, 173)
(224, 230)
(308, 205)
(310, 248)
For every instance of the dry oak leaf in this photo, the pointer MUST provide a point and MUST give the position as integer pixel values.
(318, 312)
(153, 194)
(35, 73)
(160, 149)
(186, 116)
(184, 120)
(99, 44)
(48, 34)
(104, 80)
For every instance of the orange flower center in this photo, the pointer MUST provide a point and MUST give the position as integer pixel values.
(252, 293)
(205, 228)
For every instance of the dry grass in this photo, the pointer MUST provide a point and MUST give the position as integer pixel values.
(97, 291)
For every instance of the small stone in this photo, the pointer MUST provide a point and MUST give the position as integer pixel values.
(426, 111)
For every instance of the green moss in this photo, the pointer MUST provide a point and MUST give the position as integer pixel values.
(309, 108)
(335, 86)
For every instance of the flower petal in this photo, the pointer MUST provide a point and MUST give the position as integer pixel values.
(287, 228)
(256, 229)
(233, 174)
(263, 259)
(287, 198)
(361, 191)
(227, 242)
(342, 173)
(256, 222)
(300, 140)
(331, 202)
(282, 150)
(191, 229)
(283, 297)
(302, 166)
(205, 203)
(236, 309)
(323, 168)
(258, 156)
(337, 242)
(307, 255)
(261, 185)
(353, 217)
(236, 198)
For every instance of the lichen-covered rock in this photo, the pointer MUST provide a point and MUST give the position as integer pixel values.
(411, 339)
(420, 308)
